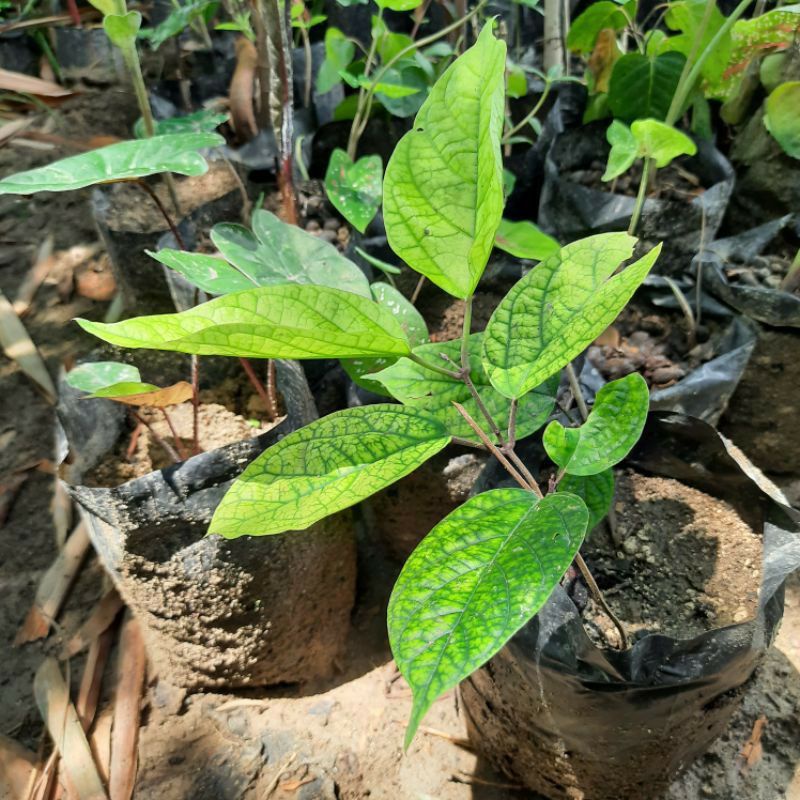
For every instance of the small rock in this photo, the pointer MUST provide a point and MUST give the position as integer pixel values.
(312, 225)
(332, 225)
(740, 615)
(630, 546)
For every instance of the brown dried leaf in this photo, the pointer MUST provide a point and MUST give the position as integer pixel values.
(104, 614)
(179, 392)
(27, 84)
(17, 766)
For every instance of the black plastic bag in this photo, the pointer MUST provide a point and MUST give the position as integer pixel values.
(771, 306)
(571, 720)
(215, 612)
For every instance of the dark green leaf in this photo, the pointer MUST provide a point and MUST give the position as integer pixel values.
(474, 581)
(613, 428)
(596, 491)
(585, 28)
(643, 87)
(178, 20)
(327, 466)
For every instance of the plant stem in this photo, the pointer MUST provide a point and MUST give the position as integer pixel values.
(641, 196)
(272, 394)
(175, 438)
(434, 367)
(309, 72)
(417, 290)
(195, 362)
(575, 388)
(168, 449)
(553, 35)
(164, 213)
(598, 596)
(686, 309)
(466, 329)
(512, 423)
(352, 139)
(257, 385)
(530, 115)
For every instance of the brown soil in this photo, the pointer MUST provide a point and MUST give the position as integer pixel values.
(762, 414)
(687, 562)
(404, 513)
(445, 315)
(674, 182)
(654, 343)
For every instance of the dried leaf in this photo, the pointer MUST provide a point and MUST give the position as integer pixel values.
(17, 766)
(100, 619)
(35, 276)
(27, 84)
(52, 698)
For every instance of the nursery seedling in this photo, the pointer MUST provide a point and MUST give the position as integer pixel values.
(488, 567)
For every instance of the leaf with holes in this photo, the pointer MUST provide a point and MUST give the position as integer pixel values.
(642, 86)
(355, 189)
(414, 385)
(176, 152)
(361, 370)
(212, 274)
(285, 321)
(525, 240)
(275, 252)
(612, 429)
(558, 309)
(597, 491)
(474, 581)
(331, 464)
(443, 189)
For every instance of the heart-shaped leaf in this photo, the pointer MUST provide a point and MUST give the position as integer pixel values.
(660, 141)
(642, 86)
(98, 374)
(121, 29)
(443, 190)
(285, 321)
(525, 240)
(474, 581)
(558, 309)
(434, 393)
(276, 252)
(624, 150)
(360, 370)
(123, 161)
(331, 464)
(612, 429)
(355, 189)
(597, 491)
(209, 273)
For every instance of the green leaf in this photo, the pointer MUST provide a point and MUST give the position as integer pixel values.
(100, 374)
(121, 29)
(283, 321)
(383, 266)
(782, 117)
(209, 273)
(596, 491)
(411, 321)
(525, 240)
(443, 190)
(559, 308)
(624, 150)
(355, 189)
(516, 82)
(276, 252)
(399, 5)
(391, 85)
(408, 75)
(204, 121)
(614, 426)
(146, 394)
(177, 21)
(660, 141)
(117, 162)
(339, 52)
(414, 385)
(643, 87)
(585, 28)
(331, 464)
(474, 581)
(687, 16)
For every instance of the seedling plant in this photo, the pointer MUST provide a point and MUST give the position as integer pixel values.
(488, 567)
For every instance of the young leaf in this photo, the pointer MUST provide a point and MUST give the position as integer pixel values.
(209, 273)
(121, 29)
(613, 428)
(399, 5)
(433, 393)
(782, 117)
(331, 464)
(99, 374)
(360, 370)
(339, 52)
(525, 240)
(285, 321)
(355, 189)
(276, 252)
(586, 26)
(597, 491)
(443, 190)
(117, 162)
(624, 150)
(558, 309)
(146, 394)
(474, 581)
(660, 141)
(643, 87)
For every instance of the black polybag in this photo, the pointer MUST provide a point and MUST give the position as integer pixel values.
(569, 719)
(771, 306)
(570, 211)
(214, 612)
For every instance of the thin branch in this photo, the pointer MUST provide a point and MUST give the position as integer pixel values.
(170, 451)
(164, 213)
(434, 367)
(175, 438)
(575, 388)
(598, 596)
(195, 362)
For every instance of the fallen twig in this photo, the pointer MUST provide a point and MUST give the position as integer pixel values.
(98, 622)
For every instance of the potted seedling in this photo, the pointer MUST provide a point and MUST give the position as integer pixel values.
(485, 570)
